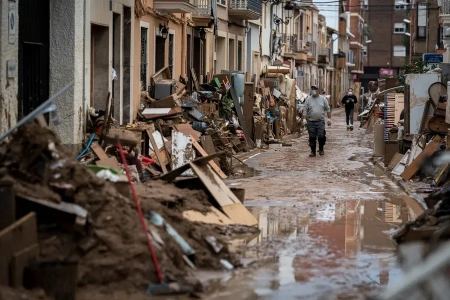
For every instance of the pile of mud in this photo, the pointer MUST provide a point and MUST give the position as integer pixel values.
(111, 252)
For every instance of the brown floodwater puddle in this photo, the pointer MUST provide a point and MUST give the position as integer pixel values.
(317, 251)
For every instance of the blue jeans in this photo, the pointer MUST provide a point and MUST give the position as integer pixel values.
(316, 131)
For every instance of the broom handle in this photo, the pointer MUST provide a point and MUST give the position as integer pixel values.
(141, 215)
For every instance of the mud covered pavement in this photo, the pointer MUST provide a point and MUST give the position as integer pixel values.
(323, 222)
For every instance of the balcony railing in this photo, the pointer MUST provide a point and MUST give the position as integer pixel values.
(313, 49)
(203, 7)
(326, 52)
(445, 7)
(302, 46)
(291, 43)
(245, 9)
(254, 5)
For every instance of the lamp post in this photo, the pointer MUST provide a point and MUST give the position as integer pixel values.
(288, 9)
(164, 31)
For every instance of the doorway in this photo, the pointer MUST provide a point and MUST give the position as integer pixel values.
(100, 73)
(116, 65)
(34, 55)
(231, 51)
(126, 82)
(160, 53)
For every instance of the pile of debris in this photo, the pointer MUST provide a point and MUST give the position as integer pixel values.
(225, 115)
(63, 228)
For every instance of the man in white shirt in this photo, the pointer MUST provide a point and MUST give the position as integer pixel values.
(316, 106)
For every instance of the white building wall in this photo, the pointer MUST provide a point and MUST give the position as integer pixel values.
(9, 49)
(331, 13)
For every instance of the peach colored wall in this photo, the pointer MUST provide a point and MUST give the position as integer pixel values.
(153, 24)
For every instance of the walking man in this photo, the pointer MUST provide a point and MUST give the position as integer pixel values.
(316, 106)
(349, 102)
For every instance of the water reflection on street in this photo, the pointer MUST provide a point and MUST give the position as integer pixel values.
(313, 249)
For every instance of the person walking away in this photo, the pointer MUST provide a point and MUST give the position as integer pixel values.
(349, 102)
(316, 106)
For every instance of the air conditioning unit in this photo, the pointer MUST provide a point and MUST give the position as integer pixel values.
(165, 88)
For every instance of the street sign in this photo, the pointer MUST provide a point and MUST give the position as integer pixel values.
(388, 72)
(433, 58)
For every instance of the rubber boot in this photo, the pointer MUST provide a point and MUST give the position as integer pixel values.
(313, 151)
(321, 144)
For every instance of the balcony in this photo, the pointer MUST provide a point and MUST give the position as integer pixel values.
(444, 15)
(202, 13)
(312, 53)
(350, 59)
(245, 9)
(174, 6)
(290, 45)
(302, 46)
(324, 57)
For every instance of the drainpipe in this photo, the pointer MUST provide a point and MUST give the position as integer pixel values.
(183, 45)
(271, 30)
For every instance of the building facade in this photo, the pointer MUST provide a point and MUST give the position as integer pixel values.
(388, 50)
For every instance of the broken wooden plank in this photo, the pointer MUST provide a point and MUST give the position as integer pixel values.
(215, 216)
(14, 238)
(225, 198)
(414, 167)
(156, 151)
(104, 159)
(172, 175)
(182, 151)
(21, 260)
(241, 118)
(211, 162)
(187, 130)
(395, 160)
(208, 144)
(195, 79)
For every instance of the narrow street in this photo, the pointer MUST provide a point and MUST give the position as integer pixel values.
(323, 221)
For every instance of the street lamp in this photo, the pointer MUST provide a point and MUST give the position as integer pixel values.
(202, 33)
(164, 31)
(288, 9)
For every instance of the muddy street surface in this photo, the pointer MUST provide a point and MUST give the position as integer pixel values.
(323, 222)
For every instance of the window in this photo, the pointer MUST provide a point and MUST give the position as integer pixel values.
(399, 51)
(222, 2)
(399, 27)
(366, 4)
(144, 57)
(422, 20)
(239, 54)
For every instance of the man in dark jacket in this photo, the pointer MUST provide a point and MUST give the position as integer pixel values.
(349, 102)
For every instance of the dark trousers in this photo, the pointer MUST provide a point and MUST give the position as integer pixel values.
(316, 131)
(349, 112)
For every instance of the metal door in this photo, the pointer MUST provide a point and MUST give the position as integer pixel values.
(34, 28)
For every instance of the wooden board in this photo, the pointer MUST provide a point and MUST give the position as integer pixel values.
(229, 203)
(195, 79)
(182, 151)
(20, 261)
(14, 238)
(414, 167)
(241, 118)
(208, 144)
(172, 175)
(248, 106)
(157, 153)
(215, 216)
(211, 162)
(187, 130)
(395, 160)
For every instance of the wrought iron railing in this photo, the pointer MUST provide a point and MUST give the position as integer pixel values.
(203, 7)
(326, 52)
(291, 43)
(445, 7)
(301, 45)
(254, 5)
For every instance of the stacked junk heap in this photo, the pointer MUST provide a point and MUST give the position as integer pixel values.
(141, 207)
(410, 124)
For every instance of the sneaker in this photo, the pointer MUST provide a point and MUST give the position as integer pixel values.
(312, 154)
(351, 128)
(321, 153)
